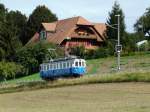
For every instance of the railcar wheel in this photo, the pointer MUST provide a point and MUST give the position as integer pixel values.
(76, 76)
(49, 79)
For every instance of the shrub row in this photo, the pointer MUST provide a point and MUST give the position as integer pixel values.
(100, 52)
(108, 50)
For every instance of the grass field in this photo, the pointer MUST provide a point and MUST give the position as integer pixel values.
(136, 63)
(111, 97)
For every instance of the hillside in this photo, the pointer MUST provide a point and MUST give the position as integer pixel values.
(139, 62)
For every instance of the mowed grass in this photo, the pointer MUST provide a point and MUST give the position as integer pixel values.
(110, 97)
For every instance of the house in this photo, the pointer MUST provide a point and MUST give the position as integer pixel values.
(72, 32)
(141, 43)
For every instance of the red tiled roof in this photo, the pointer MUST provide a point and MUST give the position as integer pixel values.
(82, 21)
(49, 26)
(35, 38)
(64, 28)
(101, 28)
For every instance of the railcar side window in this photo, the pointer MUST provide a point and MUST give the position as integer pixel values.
(68, 64)
(54, 66)
(47, 67)
(41, 68)
(64, 65)
(51, 66)
(60, 65)
(44, 67)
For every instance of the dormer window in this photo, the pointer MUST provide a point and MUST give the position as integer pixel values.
(84, 31)
(43, 35)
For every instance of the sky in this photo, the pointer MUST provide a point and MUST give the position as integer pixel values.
(93, 10)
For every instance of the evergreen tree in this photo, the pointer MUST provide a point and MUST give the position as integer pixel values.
(3, 12)
(143, 23)
(18, 20)
(112, 22)
(11, 24)
(39, 15)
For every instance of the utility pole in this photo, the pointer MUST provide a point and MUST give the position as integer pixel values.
(118, 46)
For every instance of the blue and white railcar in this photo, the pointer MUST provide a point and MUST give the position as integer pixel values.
(63, 68)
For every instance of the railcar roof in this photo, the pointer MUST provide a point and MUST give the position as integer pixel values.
(60, 60)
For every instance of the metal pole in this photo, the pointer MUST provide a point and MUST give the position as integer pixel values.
(118, 44)
(118, 52)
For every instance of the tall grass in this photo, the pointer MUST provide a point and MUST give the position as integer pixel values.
(91, 79)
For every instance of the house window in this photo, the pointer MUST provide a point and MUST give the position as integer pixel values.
(43, 35)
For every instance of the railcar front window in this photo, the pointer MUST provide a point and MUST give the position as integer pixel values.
(80, 63)
(76, 64)
(50, 66)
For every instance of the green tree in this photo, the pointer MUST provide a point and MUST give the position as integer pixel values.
(3, 12)
(18, 20)
(39, 15)
(143, 23)
(10, 33)
(113, 21)
(11, 26)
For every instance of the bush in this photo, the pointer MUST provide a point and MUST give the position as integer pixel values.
(10, 70)
(78, 51)
(143, 47)
(31, 56)
(100, 52)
